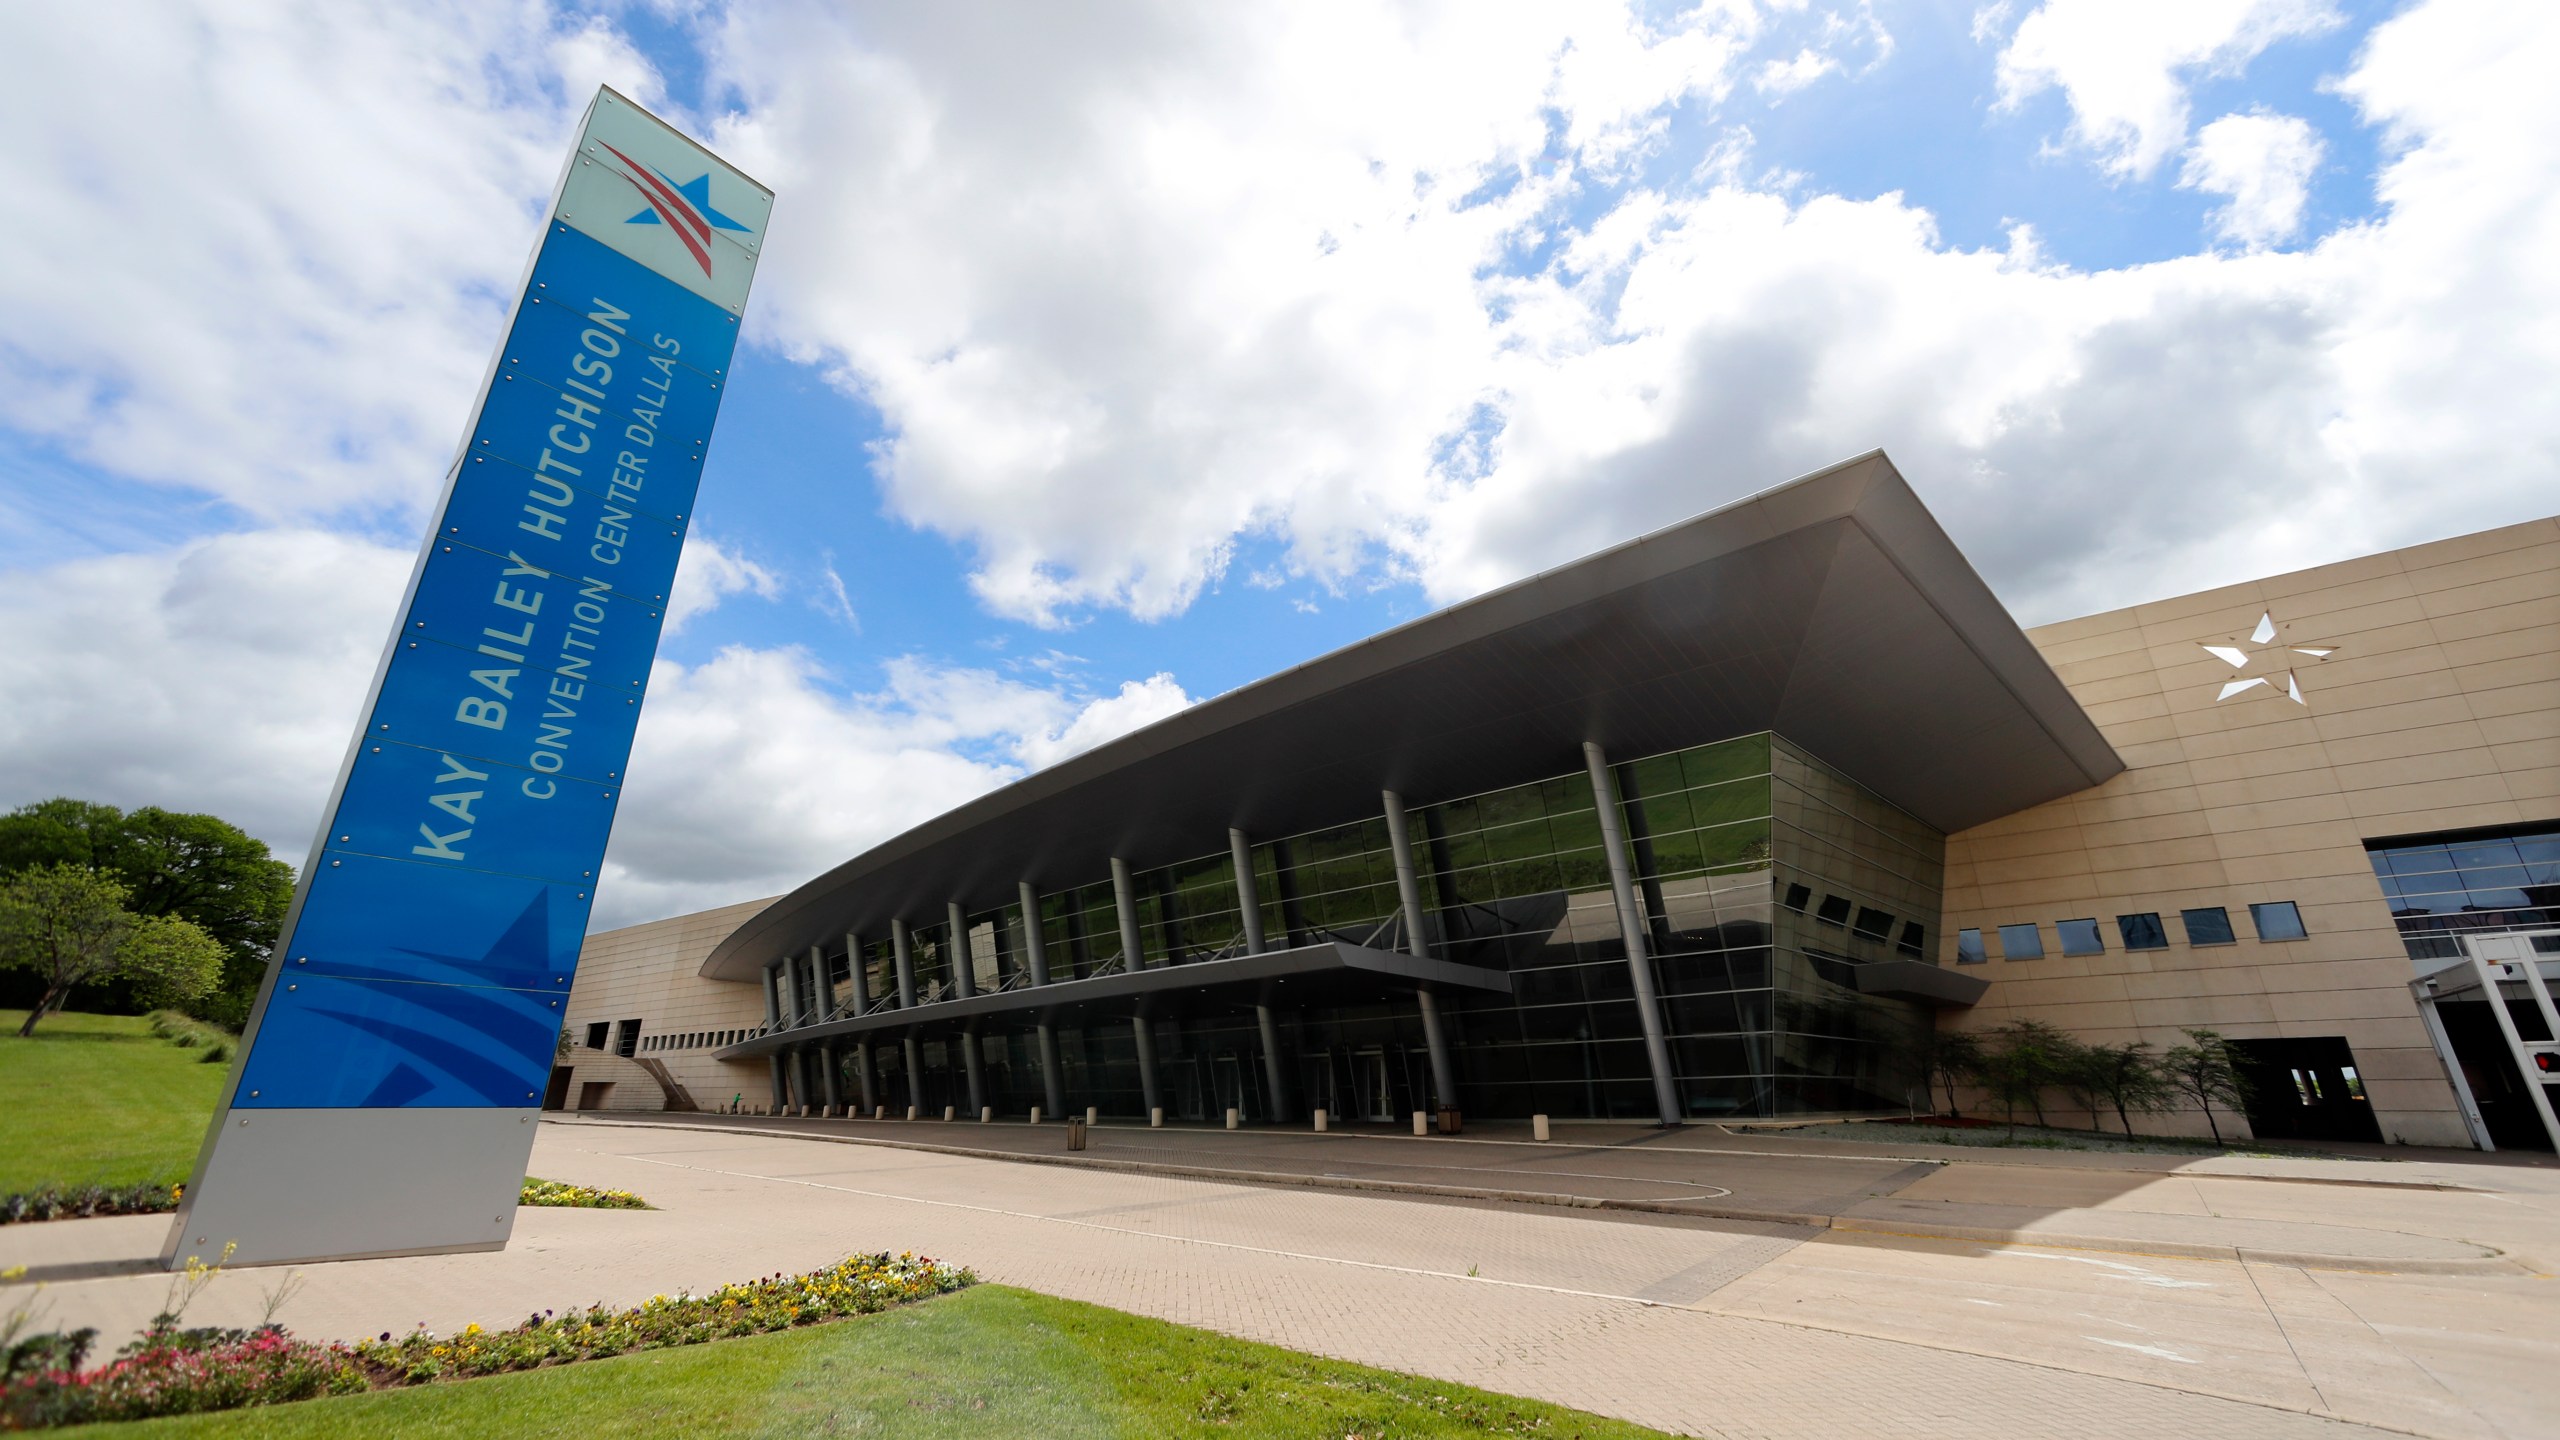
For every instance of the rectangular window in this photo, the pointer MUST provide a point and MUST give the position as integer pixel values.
(2210, 925)
(1873, 924)
(2143, 931)
(596, 1034)
(1798, 896)
(1969, 947)
(2021, 942)
(630, 1039)
(2080, 937)
(2277, 920)
(1915, 938)
(1834, 911)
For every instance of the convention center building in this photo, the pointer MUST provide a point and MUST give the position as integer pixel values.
(1720, 824)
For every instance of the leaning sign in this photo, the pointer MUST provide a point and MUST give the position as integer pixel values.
(385, 1094)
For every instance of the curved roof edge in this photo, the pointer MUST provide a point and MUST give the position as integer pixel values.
(1832, 609)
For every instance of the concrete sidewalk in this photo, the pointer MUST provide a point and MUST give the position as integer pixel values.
(1694, 1324)
(1884, 1190)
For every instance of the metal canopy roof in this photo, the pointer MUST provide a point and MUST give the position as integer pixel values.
(1831, 609)
(1328, 973)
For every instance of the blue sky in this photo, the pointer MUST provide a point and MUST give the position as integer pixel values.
(1105, 360)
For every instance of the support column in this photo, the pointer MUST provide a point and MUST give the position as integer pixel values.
(863, 1073)
(1435, 1039)
(964, 966)
(822, 982)
(772, 998)
(853, 972)
(904, 951)
(1124, 899)
(969, 1065)
(830, 1077)
(790, 993)
(1249, 908)
(915, 1073)
(1035, 956)
(781, 1086)
(1145, 1030)
(1613, 842)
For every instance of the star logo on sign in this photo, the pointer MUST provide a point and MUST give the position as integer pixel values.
(684, 207)
(2285, 682)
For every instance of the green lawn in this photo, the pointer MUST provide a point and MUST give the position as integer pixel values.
(989, 1361)
(99, 1098)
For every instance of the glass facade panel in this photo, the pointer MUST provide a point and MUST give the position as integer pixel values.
(2207, 925)
(2021, 942)
(2142, 932)
(2080, 937)
(2442, 887)
(2277, 920)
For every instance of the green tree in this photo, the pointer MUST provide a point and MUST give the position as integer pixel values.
(2026, 1059)
(69, 924)
(2202, 1070)
(196, 867)
(1948, 1058)
(2125, 1077)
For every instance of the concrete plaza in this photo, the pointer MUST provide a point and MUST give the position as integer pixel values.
(1700, 1281)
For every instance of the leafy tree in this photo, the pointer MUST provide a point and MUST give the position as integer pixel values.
(2203, 1071)
(69, 924)
(1949, 1058)
(2027, 1058)
(196, 867)
(2126, 1077)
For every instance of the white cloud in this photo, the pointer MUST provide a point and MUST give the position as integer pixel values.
(1785, 77)
(707, 574)
(2261, 163)
(1129, 284)
(750, 774)
(2125, 67)
(265, 256)
(227, 675)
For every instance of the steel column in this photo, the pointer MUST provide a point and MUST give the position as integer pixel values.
(1613, 842)
(1035, 956)
(964, 966)
(853, 973)
(1435, 1039)
(1124, 899)
(903, 950)
(1145, 1031)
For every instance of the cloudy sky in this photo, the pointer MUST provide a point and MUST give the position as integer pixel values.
(1107, 357)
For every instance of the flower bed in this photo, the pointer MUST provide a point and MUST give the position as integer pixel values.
(79, 1202)
(168, 1371)
(583, 1197)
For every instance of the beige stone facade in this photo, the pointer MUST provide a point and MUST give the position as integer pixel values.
(2439, 710)
(651, 973)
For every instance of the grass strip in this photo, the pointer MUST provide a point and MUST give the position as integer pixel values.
(100, 1100)
(990, 1361)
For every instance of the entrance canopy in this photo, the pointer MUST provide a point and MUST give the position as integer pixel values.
(1326, 974)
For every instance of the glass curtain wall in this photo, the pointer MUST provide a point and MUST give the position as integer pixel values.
(1764, 879)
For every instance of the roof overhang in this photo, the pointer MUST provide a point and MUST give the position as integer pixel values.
(1330, 973)
(1832, 610)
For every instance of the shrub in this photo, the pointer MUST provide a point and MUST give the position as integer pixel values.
(584, 1197)
(80, 1202)
(189, 1033)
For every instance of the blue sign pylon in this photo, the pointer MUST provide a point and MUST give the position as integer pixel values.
(383, 1098)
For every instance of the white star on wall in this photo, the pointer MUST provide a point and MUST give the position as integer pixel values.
(2284, 683)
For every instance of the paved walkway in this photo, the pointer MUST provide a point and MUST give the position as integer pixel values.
(1694, 1324)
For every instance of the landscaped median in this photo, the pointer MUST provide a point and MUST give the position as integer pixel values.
(45, 1379)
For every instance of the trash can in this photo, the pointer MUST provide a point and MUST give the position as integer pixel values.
(1449, 1121)
(1075, 1133)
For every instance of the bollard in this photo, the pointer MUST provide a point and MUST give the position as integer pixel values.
(1538, 1128)
(986, 1114)
(1421, 1122)
(1155, 1118)
(1093, 1114)
(1035, 1114)
(950, 1113)
(1319, 1121)
(911, 1112)
(1231, 1117)
(879, 1112)
(1075, 1133)
(1451, 1122)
